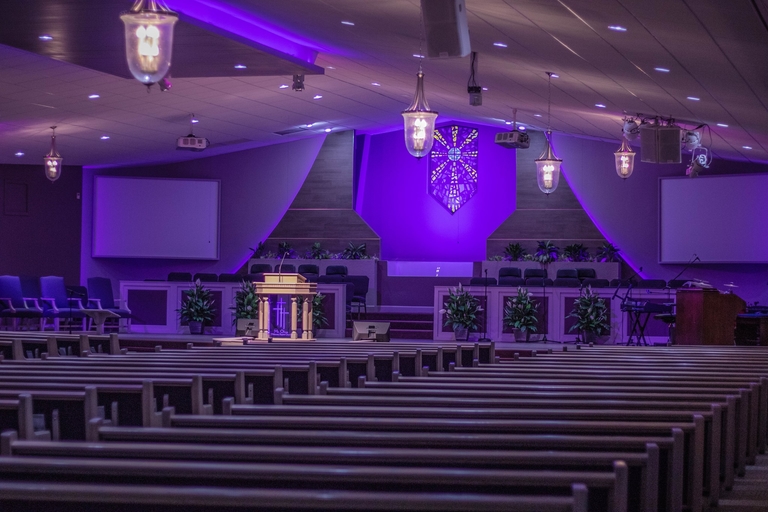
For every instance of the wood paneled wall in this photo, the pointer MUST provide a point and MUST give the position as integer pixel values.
(323, 208)
(558, 216)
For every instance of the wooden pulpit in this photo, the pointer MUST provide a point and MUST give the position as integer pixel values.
(300, 291)
(706, 317)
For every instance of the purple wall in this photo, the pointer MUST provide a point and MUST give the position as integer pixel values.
(257, 186)
(626, 212)
(393, 200)
(40, 222)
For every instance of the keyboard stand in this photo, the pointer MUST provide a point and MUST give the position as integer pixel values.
(638, 320)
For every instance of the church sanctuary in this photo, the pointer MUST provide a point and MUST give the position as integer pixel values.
(383, 255)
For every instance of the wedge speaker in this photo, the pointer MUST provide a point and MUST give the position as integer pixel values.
(660, 145)
(370, 331)
(445, 24)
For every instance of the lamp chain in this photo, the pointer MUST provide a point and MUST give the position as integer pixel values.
(421, 37)
(549, 101)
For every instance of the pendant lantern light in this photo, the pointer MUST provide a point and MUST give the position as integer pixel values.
(419, 122)
(548, 165)
(149, 40)
(625, 159)
(53, 160)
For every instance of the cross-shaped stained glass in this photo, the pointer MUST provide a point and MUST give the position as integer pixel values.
(453, 166)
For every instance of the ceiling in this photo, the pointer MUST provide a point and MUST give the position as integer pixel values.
(714, 51)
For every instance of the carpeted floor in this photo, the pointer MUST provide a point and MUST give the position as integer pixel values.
(749, 494)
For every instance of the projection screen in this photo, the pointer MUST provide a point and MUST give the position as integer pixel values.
(155, 218)
(721, 219)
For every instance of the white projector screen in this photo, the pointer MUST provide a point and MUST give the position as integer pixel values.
(155, 218)
(721, 219)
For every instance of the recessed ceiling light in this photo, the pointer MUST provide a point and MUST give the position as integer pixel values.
(349, 23)
(662, 70)
(93, 96)
(617, 28)
(599, 105)
(377, 84)
(722, 125)
(309, 125)
(240, 66)
(19, 153)
(418, 55)
(317, 97)
(536, 115)
(328, 130)
(747, 147)
(500, 45)
(105, 137)
(45, 37)
(693, 98)
(521, 127)
(485, 88)
(195, 120)
(283, 86)
(331, 67)
(507, 122)
(555, 75)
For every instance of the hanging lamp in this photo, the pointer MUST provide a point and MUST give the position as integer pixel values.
(625, 159)
(548, 165)
(149, 39)
(53, 160)
(418, 119)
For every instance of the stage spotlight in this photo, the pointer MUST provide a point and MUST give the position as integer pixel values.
(631, 129)
(298, 83)
(691, 140)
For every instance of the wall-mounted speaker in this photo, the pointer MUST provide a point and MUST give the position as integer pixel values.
(660, 144)
(445, 24)
(370, 331)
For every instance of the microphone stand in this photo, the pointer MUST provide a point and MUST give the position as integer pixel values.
(686, 267)
(485, 312)
(280, 268)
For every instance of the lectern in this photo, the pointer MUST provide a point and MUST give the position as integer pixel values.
(300, 291)
(706, 316)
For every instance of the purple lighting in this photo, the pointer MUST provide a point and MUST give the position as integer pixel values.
(453, 166)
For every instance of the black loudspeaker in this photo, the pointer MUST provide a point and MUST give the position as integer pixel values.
(660, 145)
(445, 24)
(371, 331)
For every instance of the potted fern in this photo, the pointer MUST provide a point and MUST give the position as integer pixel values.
(607, 253)
(514, 252)
(520, 312)
(546, 252)
(197, 308)
(461, 312)
(576, 252)
(591, 314)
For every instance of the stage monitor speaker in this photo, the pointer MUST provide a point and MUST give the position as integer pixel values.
(660, 145)
(371, 331)
(445, 24)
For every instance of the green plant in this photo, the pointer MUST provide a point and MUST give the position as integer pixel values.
(318, 311)
(591, 313)
(461, 309)
(608, 252)
(354, 252)
(246, 302)
(259, 251)
(520, 311)
(576, 252)
(317, 253)
(284, 250)
(197, 305)
(514, 252)
(547, 252)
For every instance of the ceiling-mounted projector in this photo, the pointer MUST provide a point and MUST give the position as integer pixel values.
(192, 143)
(513, 140)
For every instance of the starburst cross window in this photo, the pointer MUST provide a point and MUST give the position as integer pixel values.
(453, 166)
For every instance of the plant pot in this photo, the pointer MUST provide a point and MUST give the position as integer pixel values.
(521, 336)
(460, 333)
(195, 327)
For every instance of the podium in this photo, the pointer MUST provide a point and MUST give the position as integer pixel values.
(706, 316)
(300, 292)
